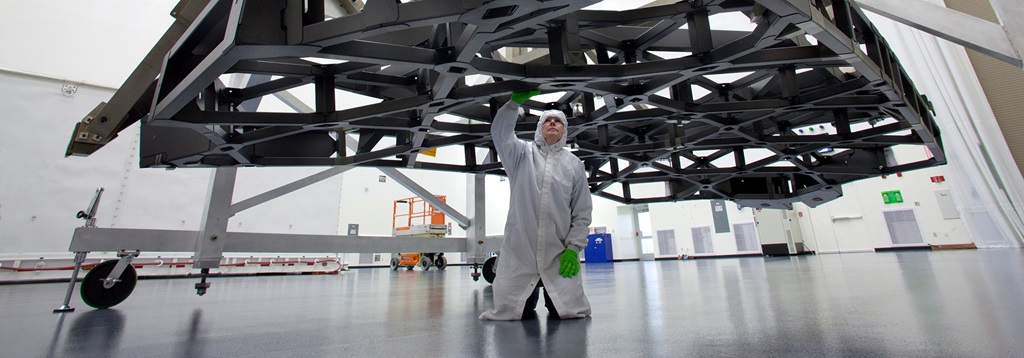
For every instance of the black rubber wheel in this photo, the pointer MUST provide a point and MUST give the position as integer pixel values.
(490, 268)
(409, 268)
(93, 293)
(441, 263)
(394, 264)
(425, 263)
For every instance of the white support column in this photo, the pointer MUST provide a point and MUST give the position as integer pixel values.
(214, 227)
(287, 188)
(476, 210)
(403, 180)
(1011, 15)
(954, 26)
(425, 194)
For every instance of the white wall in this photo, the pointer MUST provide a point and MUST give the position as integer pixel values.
(678, 216)
(685, 215)
(40, 190)
(37, 209)
(861, 226)
(97, 42)
(93, 41)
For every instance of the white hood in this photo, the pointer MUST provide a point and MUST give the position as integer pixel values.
(538, 136)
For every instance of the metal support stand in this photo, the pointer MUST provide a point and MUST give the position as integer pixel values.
(203, 285)
(476, 231)
(90, 221)
(214, 227)
(212, 240)
(79, 259)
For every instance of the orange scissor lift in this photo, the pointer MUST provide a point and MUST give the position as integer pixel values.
(423, 220)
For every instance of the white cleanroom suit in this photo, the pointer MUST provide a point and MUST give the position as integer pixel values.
(549, 211)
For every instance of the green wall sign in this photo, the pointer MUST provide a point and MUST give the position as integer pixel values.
(892, 197)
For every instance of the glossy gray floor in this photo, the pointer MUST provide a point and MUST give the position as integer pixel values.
(926, 304)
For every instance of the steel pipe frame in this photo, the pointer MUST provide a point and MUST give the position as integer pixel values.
(415, 56)
(213, 239)
(90, 239)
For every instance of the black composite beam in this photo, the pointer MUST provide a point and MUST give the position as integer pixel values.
(759, 116)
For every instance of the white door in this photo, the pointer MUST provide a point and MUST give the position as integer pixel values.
(794, 238)
(627, 246)
(848, 224)
(645, 232)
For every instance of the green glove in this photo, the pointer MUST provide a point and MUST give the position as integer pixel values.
(522, 96)
(570, 263)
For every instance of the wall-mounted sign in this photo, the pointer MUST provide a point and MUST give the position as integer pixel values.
(892, 197)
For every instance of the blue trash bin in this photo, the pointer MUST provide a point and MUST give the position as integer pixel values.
(599, 248)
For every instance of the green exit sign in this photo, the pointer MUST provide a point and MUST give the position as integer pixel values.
(892, 197)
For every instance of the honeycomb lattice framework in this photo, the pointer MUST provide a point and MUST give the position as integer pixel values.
(665, 107)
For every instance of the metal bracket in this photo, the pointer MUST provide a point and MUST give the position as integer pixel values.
(89, 215)
(114, 277)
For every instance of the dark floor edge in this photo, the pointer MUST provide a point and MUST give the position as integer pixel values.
(179, 276)
(902, 248)
(967, 246)
(724, 256)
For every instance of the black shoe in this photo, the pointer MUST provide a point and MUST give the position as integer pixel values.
(529, 314)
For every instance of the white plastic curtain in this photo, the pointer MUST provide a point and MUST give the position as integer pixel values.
(987, 184)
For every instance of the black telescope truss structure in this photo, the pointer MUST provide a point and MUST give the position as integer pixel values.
(806, 98)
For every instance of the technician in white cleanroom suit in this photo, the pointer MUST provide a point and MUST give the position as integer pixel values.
(548, 218)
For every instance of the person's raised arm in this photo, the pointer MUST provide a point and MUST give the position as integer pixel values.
(510, 149)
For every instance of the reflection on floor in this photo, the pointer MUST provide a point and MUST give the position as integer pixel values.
(917, 303)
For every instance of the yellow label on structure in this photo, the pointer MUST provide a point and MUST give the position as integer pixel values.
(431, 152)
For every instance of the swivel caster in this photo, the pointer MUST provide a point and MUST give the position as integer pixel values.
(490, 269)
(441, 262)
(99, 291)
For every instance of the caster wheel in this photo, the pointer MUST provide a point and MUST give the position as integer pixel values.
(490, 269)
(441, 263)
(96, 296)
(409, 268)
(425, 263)
(394, 264)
